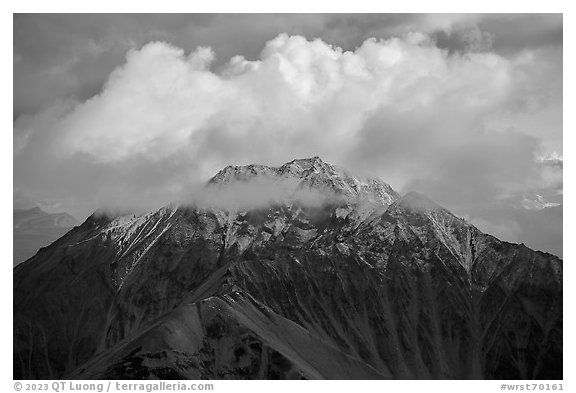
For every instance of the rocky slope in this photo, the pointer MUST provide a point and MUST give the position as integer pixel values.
(335, 277)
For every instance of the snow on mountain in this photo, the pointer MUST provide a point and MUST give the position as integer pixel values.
(364, 284)
(314, 174)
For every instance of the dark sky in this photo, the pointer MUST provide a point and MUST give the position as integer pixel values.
(135, 110)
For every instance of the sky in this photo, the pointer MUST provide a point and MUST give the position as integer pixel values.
(134, 111)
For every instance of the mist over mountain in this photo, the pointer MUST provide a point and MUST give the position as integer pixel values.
(301, 271)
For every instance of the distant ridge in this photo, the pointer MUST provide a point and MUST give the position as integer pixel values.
(34, 228)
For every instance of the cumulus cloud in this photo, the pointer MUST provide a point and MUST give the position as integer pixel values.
(420, 117)
(70, 55)
(162, 98)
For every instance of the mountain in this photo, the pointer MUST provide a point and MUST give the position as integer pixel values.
(333, 277)
(34, 228)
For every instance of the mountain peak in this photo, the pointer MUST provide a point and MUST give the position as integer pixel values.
(307, 163)
(312, 173)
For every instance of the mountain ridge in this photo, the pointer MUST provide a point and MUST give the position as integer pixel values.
(313, 173)
(389, 287)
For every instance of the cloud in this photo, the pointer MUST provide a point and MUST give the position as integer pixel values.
(538, 229)
(69, 56)
(257, 193)
(421, 117)
(162, 100)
